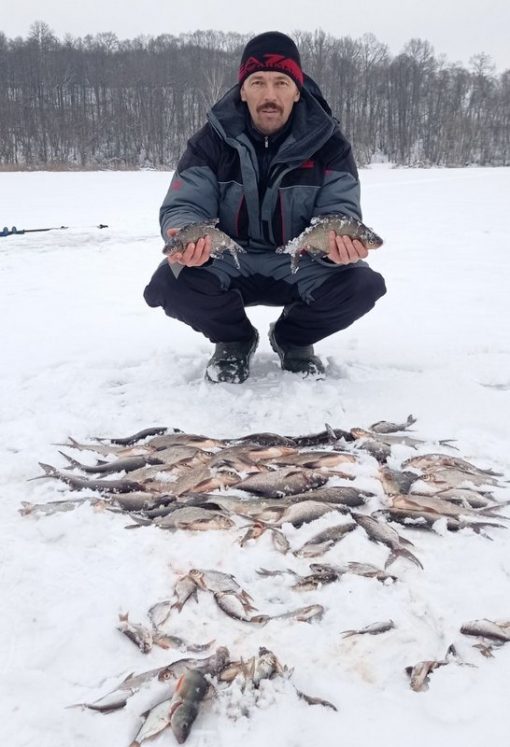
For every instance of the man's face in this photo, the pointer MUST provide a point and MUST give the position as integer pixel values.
(270, 98)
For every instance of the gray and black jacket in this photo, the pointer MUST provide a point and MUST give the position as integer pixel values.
(311, 172)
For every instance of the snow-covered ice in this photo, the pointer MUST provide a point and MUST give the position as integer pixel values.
(82, 355)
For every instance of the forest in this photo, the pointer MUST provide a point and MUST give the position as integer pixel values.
(102, 103)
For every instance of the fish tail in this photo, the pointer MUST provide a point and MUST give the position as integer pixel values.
(70, 460)
(402, 553)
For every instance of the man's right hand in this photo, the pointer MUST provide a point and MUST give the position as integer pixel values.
(193, 255)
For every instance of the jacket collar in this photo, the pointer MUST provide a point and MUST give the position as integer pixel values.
(310, 127)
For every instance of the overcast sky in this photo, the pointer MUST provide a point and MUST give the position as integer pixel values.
(456, 28)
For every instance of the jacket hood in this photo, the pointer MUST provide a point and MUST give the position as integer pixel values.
(312, 124)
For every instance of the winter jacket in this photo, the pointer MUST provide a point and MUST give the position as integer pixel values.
(312, 172)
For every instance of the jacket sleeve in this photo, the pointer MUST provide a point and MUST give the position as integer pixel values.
(193, 193)
(340, 191)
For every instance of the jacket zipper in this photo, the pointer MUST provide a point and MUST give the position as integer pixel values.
(266, 141)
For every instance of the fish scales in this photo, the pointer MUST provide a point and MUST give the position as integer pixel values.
(192, 232)
(315, 239)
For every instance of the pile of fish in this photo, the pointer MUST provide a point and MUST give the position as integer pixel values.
(268, 484)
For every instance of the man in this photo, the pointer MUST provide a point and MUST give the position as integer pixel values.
(270, 158)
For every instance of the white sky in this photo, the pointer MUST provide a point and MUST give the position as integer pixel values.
(456, 28)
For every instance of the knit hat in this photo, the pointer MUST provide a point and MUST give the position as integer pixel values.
(273, 52)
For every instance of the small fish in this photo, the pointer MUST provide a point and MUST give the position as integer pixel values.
(302, 614)
(324, 541)
(190, 690)
(156, 720)
(303, 512)
(495, 630)
(192, 232)
(52, 507)
(315, 238)
(380, 532)
(419, 674)
(268, 439)
(373, 629)
(173, 641)
(80, 483)
(233, 606)
(369, 571)
(266, 666)
(195, 519)
(340, 495)
(141, 636)
(129, 464)
(316, 580)
(429, 461)
(140, 435)
(383, 426)
(118, 697)
(316, 459)
(220, 583)
(281, 482)
(210, 665)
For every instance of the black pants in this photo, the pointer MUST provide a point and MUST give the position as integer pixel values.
(197, 299)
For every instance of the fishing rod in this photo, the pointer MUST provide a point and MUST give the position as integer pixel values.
(20, 231)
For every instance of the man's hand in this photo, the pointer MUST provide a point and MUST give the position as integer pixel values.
(193, 255)
(344, 251)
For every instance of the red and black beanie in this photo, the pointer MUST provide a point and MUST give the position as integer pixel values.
(272, 52)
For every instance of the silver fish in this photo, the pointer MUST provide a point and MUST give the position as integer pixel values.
(281, 482)
(369, 571)
(316, 580)
(140, 435)
(383, 426)
(381, 532)
(218, 582)
(156, 719)
(210, 665)
(53, 507)
(194, 518)
(303, 512)
(194, 231)
(315, 238)
(129, 464)
(325, 540)
(340, 495)
(80, 483)
(373, 629)
(495, 630)
(429, 461)
(419, 674)
(118, 697)
(233, 606)
(302, 614)
(141, 636)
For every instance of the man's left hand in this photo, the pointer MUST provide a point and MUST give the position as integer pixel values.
(344, 251)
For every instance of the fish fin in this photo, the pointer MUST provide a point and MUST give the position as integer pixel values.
(49, 471)
(402, 552)
(315, 701)
(70, 460)
(233, 253)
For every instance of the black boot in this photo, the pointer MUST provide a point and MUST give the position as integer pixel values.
(231, 361)
(297, 359)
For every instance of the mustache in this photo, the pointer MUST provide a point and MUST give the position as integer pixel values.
(269, 107)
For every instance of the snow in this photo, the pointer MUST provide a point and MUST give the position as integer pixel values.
(82, 355)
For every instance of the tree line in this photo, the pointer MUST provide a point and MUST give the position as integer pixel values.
(99, 102)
